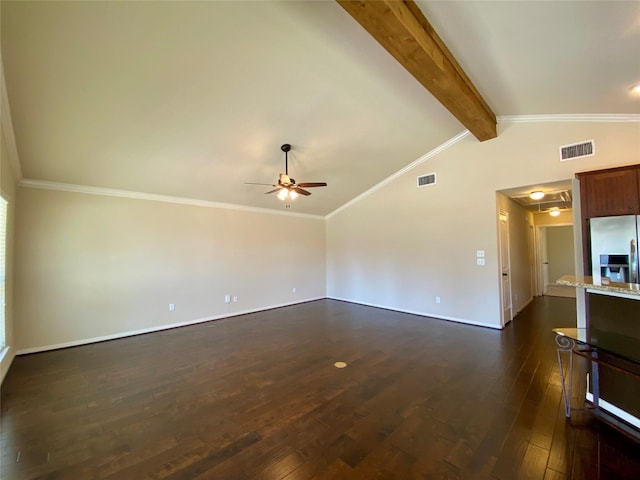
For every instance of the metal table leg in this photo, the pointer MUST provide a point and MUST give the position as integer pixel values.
(566, 344)
(595, 379)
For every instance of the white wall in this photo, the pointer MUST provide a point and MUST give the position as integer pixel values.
(560, 254)
(92, 266)
(544, 219)
(401, 246)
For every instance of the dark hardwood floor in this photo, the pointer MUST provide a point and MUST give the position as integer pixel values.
(258, 397)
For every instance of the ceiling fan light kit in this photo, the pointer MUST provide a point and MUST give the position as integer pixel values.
(287, 187)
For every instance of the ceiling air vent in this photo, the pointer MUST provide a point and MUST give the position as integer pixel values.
(577, 150)
(424, 180)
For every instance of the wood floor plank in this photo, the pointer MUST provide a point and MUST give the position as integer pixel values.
(550, 474)
(545, 422)
(534, 464)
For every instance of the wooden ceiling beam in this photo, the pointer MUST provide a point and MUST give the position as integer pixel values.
(402, 29)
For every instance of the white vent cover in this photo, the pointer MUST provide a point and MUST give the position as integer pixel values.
(577, 150)
(428, 179)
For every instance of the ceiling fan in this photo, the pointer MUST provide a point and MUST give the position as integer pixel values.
(287, 187)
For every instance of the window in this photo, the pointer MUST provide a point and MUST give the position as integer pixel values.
(3, 263)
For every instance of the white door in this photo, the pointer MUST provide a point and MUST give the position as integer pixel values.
(505, 269)
(533, 271)
(545, 259)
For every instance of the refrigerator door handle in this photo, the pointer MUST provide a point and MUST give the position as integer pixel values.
(633, 267)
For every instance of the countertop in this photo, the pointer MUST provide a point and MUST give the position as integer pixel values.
(604, 285)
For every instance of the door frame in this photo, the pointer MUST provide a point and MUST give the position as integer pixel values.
(504, 215)
(541, 244)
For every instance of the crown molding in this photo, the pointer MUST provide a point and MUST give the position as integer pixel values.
(415, 163)
(500, 119)
(110, 192)
(67, 187)
(7, 127)
(577, 117)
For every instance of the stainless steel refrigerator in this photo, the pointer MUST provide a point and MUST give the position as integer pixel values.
(614, 254)
(614, 248)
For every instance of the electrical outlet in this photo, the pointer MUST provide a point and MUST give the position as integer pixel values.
(437, 299)
(480, 261)
(227, 298)
(480, 253)
(235, 298)
(172, 307)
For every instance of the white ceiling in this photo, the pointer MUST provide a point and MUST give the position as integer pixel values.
(192, 99)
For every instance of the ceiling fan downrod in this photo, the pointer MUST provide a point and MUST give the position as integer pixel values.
(285, 148)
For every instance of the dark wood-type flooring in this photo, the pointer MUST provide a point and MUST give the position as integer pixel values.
(258, 397)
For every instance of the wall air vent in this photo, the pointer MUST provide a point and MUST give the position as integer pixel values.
(424, 180)
(577, 150)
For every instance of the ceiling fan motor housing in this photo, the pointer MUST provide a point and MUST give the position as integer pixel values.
(284, 180)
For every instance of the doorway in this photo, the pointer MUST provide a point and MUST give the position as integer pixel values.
(557, 259)
(525, 213)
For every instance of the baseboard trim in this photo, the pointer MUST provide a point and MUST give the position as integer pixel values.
(615, 411)
(7, 355)
(421, 314)
(523, 306)
(132, 333)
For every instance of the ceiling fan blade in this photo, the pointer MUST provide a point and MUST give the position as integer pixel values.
(274, 190)
(254, 183)
(312, 184)
(300, 191)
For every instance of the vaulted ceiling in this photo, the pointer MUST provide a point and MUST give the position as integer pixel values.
(192, 99)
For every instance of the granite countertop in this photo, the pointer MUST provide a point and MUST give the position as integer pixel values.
(605, 285)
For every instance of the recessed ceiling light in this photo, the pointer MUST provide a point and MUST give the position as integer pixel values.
(537, 195)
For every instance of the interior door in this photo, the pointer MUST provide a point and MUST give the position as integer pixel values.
(533, 267)
(544, 256)
(505, 269)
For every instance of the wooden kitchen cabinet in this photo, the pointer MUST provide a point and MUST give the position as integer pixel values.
(610, 192)
(607, 193)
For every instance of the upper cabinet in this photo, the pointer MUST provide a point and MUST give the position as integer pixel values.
(610, 192)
